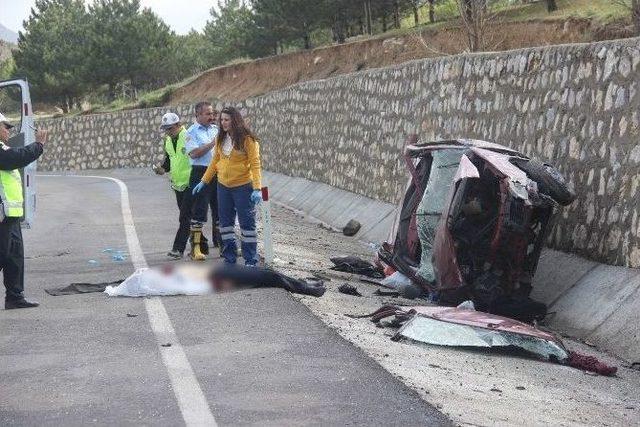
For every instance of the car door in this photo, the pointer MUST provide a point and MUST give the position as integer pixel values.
(15, 104)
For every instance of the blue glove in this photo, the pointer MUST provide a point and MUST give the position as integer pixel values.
(256, 197)
(198, 188)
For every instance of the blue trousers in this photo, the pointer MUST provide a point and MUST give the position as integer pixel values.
(234, 201)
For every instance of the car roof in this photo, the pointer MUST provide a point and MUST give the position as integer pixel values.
(416, 150)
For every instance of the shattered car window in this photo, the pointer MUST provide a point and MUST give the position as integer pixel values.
(436, 332)
(443, 169)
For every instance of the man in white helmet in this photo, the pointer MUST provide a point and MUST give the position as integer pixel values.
(12, 211)
(177, 164)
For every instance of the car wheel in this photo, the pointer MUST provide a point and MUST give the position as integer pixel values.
(550, 180)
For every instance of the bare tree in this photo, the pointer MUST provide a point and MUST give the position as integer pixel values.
(634, 7)
(476, 15)
(432, 51)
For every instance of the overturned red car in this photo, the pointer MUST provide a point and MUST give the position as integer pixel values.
(473, 222)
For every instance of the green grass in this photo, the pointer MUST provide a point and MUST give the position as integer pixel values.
(603, 11)
(443, 11)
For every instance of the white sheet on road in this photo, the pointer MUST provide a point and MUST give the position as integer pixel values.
(152, 282)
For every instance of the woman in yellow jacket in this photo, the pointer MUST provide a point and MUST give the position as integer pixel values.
(237, 164)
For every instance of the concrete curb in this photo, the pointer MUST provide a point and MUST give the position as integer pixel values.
(333, 206)
(590, 301)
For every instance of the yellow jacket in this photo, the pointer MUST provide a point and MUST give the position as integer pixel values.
(238, 168)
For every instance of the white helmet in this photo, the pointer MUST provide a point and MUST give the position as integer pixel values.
(5, 121)
(169, 120)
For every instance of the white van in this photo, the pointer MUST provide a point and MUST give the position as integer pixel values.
(15, 104)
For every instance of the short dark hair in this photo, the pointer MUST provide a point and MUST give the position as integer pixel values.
(202, 104)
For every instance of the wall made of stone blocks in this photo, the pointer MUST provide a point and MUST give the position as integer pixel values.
(575, 106)
(126, 139)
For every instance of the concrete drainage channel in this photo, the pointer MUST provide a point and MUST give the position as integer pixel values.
(594, 302)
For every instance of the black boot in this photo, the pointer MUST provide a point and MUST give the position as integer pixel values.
(204, 245)
(19, 303)
(216, 238)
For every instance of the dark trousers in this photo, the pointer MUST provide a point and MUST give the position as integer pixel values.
(206, 199)
(183, 198)
(194, 208)
(12, 258)
(257, 277)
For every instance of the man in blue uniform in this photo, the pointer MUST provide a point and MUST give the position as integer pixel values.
(200, 148)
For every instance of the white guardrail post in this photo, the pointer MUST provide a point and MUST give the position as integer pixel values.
(267, 230)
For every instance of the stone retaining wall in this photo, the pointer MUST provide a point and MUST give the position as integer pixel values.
(576, 106)
(127, 139)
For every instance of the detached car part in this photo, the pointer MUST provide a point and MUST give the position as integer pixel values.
(467, 328)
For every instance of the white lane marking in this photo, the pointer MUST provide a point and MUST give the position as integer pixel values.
(191, 400)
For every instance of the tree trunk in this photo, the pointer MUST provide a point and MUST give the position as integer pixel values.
(307, 40)
(67, 104)
(551, 6)
(432, 12)
(635, 15)
(365, 29)
(384, 22)
(396, 14)
(470, 10)
(467, 5)
(367, 9)
(340, 28)
(416, 17)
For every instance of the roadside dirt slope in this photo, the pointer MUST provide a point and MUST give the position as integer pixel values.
(243, 80)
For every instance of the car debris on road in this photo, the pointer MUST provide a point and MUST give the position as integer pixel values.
(81, 288)
(349, 290)
(355, 265)
(467, 328)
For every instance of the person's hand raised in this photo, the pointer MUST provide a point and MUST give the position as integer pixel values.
(41, 136)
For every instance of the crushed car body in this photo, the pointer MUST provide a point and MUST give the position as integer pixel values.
(473, 222)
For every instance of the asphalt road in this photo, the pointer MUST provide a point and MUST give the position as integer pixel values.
(258, 357)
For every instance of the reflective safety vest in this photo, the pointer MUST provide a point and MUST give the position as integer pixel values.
(11, 193)
(178, 161)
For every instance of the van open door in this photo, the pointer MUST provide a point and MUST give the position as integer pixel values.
(15, 104)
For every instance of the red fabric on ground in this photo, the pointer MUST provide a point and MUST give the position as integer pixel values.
(591, 364)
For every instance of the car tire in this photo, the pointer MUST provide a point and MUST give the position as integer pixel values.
(550, 180)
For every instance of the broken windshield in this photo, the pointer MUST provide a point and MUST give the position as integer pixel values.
(443, 168)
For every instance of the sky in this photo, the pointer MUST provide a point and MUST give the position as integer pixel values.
(180, 15)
